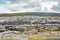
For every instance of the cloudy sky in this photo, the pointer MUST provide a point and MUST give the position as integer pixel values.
(13, 6)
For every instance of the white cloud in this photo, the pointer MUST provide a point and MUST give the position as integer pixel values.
(28, 6)
(3, 9)
(47, 5)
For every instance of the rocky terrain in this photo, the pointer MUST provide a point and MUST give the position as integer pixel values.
(29, 28)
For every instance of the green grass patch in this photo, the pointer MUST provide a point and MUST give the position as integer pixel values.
(24, 14)
(13, 14)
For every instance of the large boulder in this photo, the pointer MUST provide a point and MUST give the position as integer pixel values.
(2, 28)
(15, 28)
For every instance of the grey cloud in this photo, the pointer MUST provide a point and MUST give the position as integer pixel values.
(35, 6)
(57, 8)
(49, 0)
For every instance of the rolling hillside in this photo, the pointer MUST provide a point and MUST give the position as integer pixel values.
(30, 14)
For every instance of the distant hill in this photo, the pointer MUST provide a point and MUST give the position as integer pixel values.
(43, 14)
(30, 14)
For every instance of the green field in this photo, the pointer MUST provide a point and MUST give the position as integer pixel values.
(44, 14)
(12, 14)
